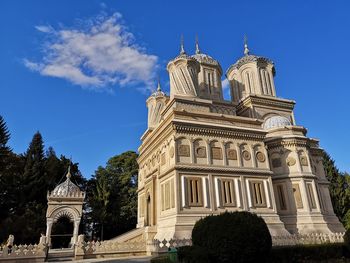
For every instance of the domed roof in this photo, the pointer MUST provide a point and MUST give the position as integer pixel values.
(67, 188)
(158, 92)
(276, 121)
(204, 58)
(247, 58)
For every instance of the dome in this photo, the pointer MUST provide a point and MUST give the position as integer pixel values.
(205, 59)
(67, 188)
(276, 121)
(247, 59)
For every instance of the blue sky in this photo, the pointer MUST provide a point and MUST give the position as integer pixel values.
(81, 71)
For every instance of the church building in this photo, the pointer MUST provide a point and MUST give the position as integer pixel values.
(204, 155)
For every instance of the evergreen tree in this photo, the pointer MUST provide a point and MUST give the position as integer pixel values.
(33, 174)
(112, 198)
(338, 189)
(4, 149)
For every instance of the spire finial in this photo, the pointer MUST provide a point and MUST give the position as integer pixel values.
(68, 175)
(246, 49)
(182, 49)
(198, 51)
(158, 87)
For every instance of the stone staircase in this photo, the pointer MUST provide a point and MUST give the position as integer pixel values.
(60, 255)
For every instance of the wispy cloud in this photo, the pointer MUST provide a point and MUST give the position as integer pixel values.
(225, 84)
(96, 54)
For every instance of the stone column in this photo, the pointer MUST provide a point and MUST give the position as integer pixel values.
(75, 231)
(239, 157)
(49, 223)
(224, 156)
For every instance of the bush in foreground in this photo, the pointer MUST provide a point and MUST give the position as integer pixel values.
(232, 237)
(347, 239)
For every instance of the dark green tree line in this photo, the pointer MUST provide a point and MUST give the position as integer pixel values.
(24, 182)
(112, 196)
(338, 189)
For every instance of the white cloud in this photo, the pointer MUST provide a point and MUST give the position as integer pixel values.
(225, 84)
(97, 54)
(44, 29)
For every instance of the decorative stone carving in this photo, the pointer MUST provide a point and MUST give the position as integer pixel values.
(216, 153)
(231, 154)
(162, 159)
(291, 161)
(297, 196)
(303, 161)
(201, 152)
(276, 162)
(246, 155)
(260, 157)
(184, 150)
(171, 152)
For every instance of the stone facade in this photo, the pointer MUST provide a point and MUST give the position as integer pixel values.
(203, 155)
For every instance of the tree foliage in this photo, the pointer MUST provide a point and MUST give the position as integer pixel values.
(338, 189)
(24, 182)
(112, 196)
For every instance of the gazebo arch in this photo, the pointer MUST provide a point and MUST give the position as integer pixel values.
(66, 200)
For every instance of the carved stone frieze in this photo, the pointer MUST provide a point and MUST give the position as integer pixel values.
(260, 157)
(216, 153)
(291, 161)
(246, 155)
(231, 154)
(201, 152)
(184, 150)
(303, 161)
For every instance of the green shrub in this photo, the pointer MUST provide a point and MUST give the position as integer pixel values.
(308, 253)
(161, 259)
(193, 254)
(347, 239)
(233, 237)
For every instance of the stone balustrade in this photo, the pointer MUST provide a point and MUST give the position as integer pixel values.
(23, 253)
(307, 239)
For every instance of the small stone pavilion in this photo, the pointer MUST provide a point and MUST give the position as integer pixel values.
(66, 200)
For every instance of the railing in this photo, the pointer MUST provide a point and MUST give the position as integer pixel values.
(307, 239)
(23, 252)
(90, 249)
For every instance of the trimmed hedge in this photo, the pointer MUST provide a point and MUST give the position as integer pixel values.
(161, 259)
(290, 254)
(347, 239)
(231, 237)
(309, 253)
(193, 254)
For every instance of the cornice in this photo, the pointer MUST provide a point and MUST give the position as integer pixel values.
(221, 169)
(206, 130)
(266, 101)
(287, 142)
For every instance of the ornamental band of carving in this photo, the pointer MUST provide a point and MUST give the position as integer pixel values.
(201, 152)
(184, 150)
(231, 154)
(216, 153)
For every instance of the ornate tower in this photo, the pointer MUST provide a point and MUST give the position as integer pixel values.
(251, 75)
(209, 77)
(183, 72)
(155, 104)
